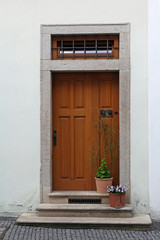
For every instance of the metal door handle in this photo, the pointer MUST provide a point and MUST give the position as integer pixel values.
(54, 137)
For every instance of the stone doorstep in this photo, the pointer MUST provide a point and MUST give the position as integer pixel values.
(83, 210)
(62, 197)
(77, 194)
(137, 222)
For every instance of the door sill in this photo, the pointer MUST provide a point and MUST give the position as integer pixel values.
(76, 194)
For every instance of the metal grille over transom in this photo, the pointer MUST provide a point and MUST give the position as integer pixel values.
(85, 47)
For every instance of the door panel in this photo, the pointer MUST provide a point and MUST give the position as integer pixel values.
(108, 93)
(79, 94)
(64, 136)
(64, 93)
(105, 93)
(79, 126)
(77, 101)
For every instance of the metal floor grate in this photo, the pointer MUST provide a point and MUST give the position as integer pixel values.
(84, 201)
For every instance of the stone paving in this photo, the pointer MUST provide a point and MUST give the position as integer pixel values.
(17, 232)
(3, 230)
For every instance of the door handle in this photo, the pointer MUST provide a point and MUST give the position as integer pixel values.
(54, 137)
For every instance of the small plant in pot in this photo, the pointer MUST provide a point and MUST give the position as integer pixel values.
(103, 179)
(117, 196)
(104, 151)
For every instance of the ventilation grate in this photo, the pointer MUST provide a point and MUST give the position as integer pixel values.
(84, 201)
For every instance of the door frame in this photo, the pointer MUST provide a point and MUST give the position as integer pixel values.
(122, 65)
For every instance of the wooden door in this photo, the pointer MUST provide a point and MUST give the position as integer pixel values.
(71, 120)
(77, 100)
(105, 96)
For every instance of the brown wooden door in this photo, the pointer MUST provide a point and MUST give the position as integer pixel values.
(77, 99)
(105, 96)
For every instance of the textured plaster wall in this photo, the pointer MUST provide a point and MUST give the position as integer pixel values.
(20, 92)
(154, 97)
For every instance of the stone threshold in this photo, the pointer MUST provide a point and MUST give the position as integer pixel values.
(137, 222)
(64, 196)
(77, 194)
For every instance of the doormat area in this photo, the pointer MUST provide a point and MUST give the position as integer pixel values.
(3, 231)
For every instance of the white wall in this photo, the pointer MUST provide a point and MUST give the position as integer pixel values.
(154, 108)
(20, 96)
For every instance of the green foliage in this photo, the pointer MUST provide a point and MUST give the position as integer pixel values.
(102, 171)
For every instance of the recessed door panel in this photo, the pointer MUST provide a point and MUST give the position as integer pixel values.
(79, 149)
(79, 94)
(64, 93)
(105, 93)
(65, 146)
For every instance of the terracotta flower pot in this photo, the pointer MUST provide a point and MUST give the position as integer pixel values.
(103, 183)
(117, 200)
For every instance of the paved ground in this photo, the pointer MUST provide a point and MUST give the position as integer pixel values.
(12, 231)
(3, 231)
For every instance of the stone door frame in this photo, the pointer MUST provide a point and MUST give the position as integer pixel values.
(122, 65)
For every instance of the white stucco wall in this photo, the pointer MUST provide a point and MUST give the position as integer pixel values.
(20, 94)
(154, 100)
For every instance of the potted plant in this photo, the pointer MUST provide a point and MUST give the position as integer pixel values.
(103, 179)
(103, 156)
(117, 196)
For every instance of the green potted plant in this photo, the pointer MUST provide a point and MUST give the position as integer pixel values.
(117, 196)
(104, 156)
(103, 179)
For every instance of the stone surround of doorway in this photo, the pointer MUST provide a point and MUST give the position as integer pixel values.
(122, 65)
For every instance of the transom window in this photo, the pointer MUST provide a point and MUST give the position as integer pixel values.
(85, 47)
